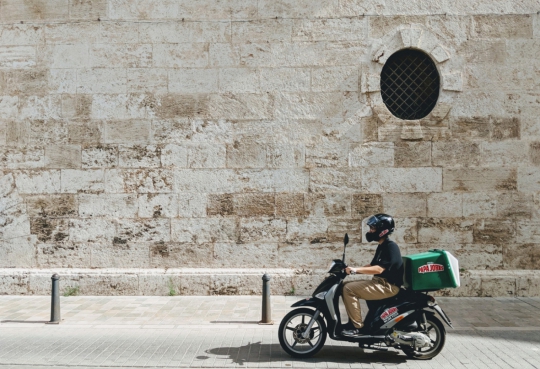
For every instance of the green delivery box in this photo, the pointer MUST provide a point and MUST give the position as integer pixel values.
(432, 270)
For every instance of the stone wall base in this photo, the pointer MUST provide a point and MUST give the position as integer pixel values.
(161, 282)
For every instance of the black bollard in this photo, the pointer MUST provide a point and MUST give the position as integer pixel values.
(55, 300)
(266, 306)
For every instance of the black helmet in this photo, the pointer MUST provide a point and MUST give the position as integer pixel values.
(383, 224)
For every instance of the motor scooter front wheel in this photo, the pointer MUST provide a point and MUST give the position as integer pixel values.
(291, 330)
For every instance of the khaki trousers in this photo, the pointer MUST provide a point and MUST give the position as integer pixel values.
(376, 289)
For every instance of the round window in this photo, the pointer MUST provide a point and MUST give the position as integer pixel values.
(410, 84)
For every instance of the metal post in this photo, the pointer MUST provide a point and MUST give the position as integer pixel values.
(266, 306)
(55, 300)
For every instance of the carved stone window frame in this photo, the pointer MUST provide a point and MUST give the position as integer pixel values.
(449, 66)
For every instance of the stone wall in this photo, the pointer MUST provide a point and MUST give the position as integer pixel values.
(233, 137)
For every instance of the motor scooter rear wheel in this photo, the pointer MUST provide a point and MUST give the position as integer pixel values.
(434, 329)
(290, 333)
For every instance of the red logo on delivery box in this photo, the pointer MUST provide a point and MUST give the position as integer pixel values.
(389, 314)
(430, 268)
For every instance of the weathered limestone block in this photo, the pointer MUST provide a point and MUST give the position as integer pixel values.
(241, 106)
(102, 156)
(19, 251)
(14, 221)
(285, 79)
(450, 230)
(412, 154)
(134, 131)
(254, 205)
(290, 205)
(405, 204)
(63, 255)
(378, 180)
(313, 230)
(521, 256)
(21, 34)
(192, 80)
(262, 230)
(329, 204)
(14, 283)
(333, 155)
(406, 231)
(23, 158)
(121, 254)
(18, 56)
(149, 180)
(494, 231)
(504, 154)
(378, 154)
(515, 205)
(102, 80)
(246, 155)
(40, 107)
(335, 79)
(49, 230)
(175, 255)
(528, 232)
(479, 204)
(262, 255)
(316, 105)
(338, 29)
(152, 284)
(148, 80)
(286, 156)
(335, 180)
(506, 26)
(364, 205)
(158, 205)
(203, 230)
(143, 230)
(115, 205)
(479, 179)
(77, 181)
(528, 179)
(192, 205)
(91, 229)
(52, 206)
(337, 227)
(528, 285)
(65, 156)
(84, 132)
(239, 80)
(139, 156)
(220, 204)
(204, 156)
(120, 55)
(181, 105)
(36, 182)
(183, 55)
(498, 286)
(274, 180)
(235, 284)
(456, 154)
(445, 205)
(470, 128)
(206, 181)
(308, 255)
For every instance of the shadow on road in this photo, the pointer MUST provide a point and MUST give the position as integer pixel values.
(260, 352)
(25, 321)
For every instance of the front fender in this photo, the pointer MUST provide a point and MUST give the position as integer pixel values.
(312, 302)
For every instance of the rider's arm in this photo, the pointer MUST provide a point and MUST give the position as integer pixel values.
(366, 269)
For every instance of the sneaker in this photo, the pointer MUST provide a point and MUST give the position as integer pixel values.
(354, 332)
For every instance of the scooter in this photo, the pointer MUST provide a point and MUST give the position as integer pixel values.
(406, 321)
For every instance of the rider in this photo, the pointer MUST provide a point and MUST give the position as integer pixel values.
(386, 268)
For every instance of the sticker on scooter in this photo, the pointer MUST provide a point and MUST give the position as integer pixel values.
(430, 268)
(389, 314)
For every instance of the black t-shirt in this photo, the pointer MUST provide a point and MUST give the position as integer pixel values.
(388, 256)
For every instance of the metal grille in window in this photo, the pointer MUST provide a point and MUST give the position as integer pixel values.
(410, 84)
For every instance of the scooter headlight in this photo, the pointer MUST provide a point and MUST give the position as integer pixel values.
(321, 295)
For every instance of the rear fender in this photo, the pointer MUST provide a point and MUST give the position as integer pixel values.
(311, 302)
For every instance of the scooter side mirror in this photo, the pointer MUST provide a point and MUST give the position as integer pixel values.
(345, 242)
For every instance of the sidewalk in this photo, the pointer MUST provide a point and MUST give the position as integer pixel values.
(222, 331)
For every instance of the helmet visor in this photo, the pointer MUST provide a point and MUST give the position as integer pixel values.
(372, 221)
